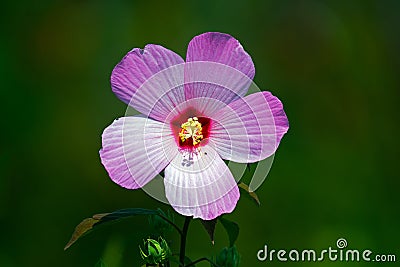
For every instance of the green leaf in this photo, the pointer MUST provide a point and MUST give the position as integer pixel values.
(123, 213)
(98, 219)
(210, 228)
(252, 194)
(80, 230)
(231, 228)
(228, 257)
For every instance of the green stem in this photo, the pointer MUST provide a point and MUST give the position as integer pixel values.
(183, 240)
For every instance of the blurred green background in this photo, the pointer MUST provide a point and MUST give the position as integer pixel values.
(334, 64)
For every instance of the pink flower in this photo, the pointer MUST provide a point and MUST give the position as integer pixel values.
(195, 114)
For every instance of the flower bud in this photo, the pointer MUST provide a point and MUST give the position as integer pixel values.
(155, 252)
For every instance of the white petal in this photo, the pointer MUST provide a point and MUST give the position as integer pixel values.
(201, 186)
(136, 149)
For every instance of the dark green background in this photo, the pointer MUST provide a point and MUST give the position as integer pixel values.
(334, 64)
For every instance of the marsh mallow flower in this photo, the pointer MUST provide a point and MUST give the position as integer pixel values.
(195, 114)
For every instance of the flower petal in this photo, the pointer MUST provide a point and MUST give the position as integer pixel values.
(280, 119)
(220, 48)
(136, 149)
(150, 80)
(205, 81)
(249, 129)
(200, 185)
(217, 67)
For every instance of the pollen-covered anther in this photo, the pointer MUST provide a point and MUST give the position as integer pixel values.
(191, 129)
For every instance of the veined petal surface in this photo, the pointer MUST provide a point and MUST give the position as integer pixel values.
(200, 185)
(136, 149)
(150, 80)
(249, 129)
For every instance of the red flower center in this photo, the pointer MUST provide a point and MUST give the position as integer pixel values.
(191, 131)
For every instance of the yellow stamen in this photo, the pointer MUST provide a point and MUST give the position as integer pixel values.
(191, 129)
